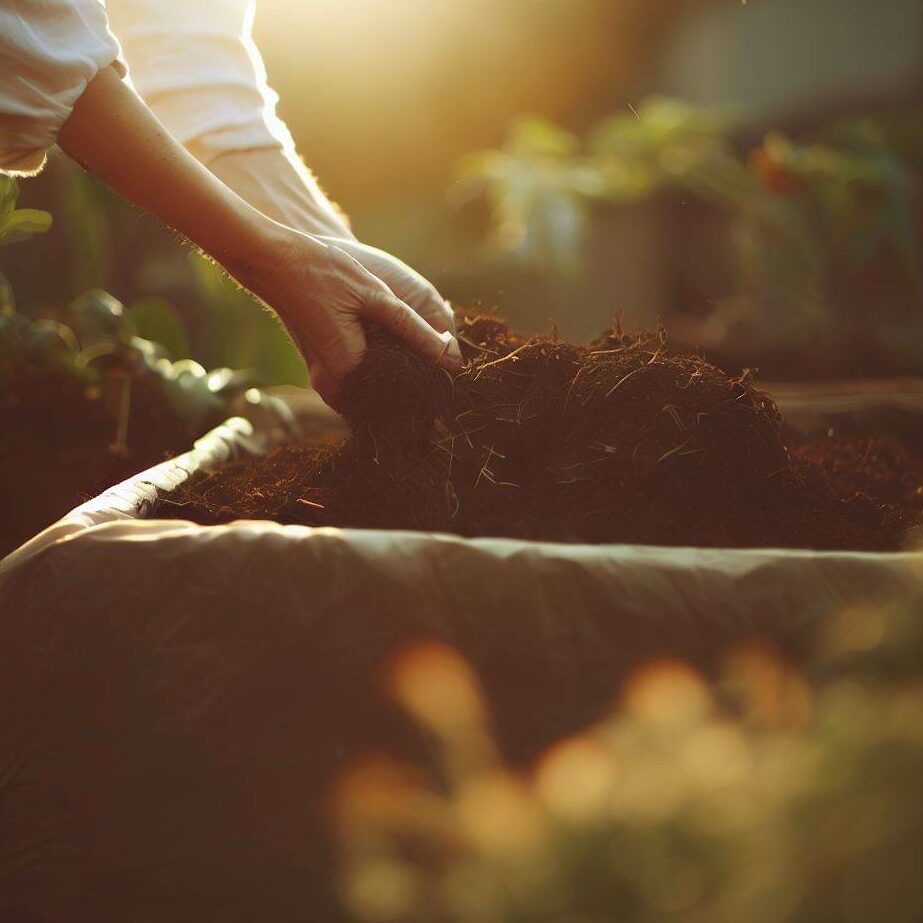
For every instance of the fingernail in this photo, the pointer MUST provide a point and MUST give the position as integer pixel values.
(451, 353)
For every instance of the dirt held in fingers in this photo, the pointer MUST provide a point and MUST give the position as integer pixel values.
(618, 441)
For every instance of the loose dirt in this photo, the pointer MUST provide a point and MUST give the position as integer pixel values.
(618, 441)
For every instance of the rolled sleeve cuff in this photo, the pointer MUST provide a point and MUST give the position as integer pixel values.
(50, 51)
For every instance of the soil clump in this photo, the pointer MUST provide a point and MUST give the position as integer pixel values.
(618, 441)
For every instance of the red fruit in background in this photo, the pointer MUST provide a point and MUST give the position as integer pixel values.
(773, 174)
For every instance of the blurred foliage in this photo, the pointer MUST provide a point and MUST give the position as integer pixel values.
(85, 399)
(100, 348)
(177, 297)
(542, 180)
(89, 231)
(807, 218)
(85, 403)
(157, 320)
(241, 333)
(772, 794)
(18, 224)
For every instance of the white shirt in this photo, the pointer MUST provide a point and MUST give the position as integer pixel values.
(192, 61)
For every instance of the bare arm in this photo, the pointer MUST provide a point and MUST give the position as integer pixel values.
(204, 78)
(115, 136)
(318, 289)
(279, 185)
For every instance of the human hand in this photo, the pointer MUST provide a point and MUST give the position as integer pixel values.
(322, 292)
(411, 287)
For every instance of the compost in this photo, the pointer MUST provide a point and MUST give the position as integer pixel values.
(616, 441)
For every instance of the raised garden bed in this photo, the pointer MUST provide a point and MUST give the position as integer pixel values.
(202, 683)
(609, 605)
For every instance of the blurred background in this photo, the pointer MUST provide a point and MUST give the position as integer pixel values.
(748, 173)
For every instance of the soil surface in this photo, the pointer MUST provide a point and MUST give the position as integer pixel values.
(616, 441)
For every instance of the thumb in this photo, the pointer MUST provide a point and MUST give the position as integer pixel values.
(324, 384)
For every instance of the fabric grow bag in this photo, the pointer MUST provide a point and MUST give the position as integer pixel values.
(554, 624)
(174, 699)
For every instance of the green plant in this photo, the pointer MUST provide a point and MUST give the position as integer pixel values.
(86, 403)
(542, 181)
(18, 224)
(96, 340)
(85, 400)
(174, 297)
(806, 218)
(100, 349)
(241, 334)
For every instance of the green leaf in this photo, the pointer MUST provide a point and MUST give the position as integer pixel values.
(97, 313)
(534, 136)
(186, 385)
(157, 320)
(87, 226)
(9, 193)
(20, 224)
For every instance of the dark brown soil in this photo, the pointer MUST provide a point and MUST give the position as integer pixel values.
(883, 468)
(618, 441)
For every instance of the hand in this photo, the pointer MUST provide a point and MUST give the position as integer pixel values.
(322, 293)
(412, 288)
(277, 184)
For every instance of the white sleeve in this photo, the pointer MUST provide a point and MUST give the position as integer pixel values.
(194, 63)
(49, 51)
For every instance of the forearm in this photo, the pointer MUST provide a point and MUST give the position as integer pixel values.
(322, 293)
(115, 136)
(197, 67)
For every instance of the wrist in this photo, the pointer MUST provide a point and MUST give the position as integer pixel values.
(259, 245)
(272, 258)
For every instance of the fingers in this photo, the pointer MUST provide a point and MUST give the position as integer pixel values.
(423, 297)
(404, 324)
(335, 342)
(393, 314)
(449, 317)
(435, 310)
(405, 283)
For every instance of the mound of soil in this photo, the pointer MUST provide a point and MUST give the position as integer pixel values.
(616, 441)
